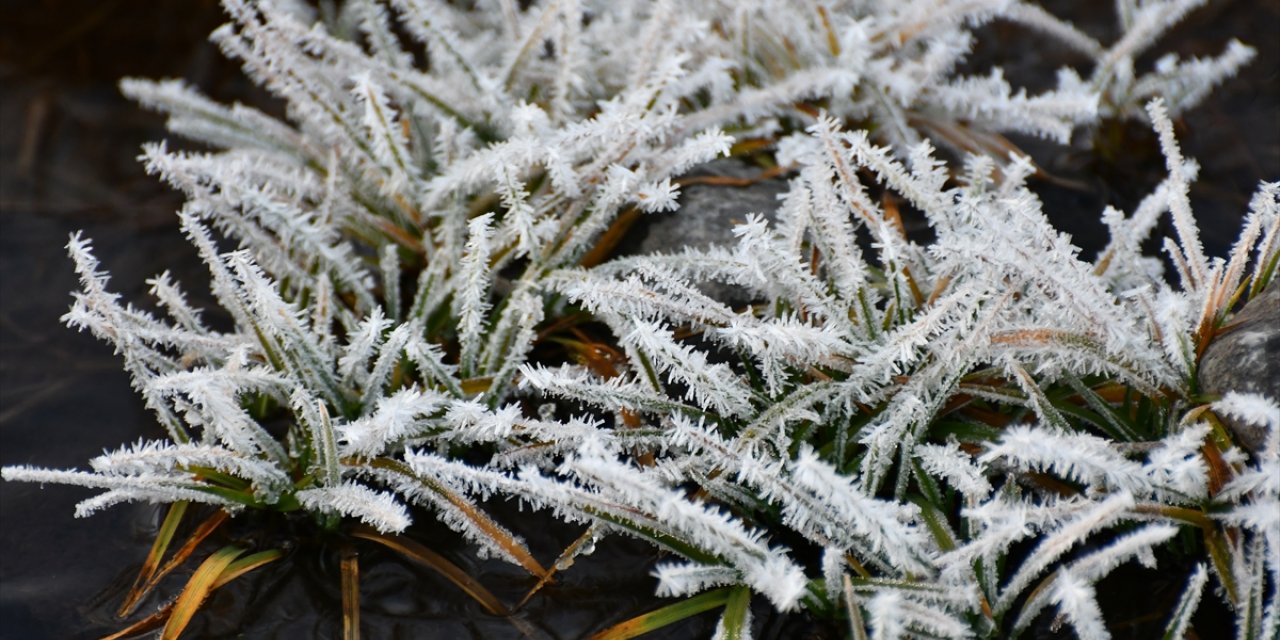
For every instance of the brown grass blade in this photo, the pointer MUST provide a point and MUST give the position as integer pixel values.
(180, 556)
(436, 562)
(563, 562)
(610, 238)
(233, 571)
(197, 590)
(350, 593)
(144, 625)
(143, 583)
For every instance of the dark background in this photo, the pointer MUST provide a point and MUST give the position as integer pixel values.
(68, 143)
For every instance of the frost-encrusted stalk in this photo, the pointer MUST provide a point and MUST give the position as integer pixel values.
(1071, 533)
(711, 385)
(324, 446)
(1179, 201)
(473, 296)
(377, 509)
(1079, 602)
(1180, 620)
(390, 265)
(153, 488)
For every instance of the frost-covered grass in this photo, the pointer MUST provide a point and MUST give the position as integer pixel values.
(950, 437)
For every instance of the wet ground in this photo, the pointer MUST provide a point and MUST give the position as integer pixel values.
(67, 148)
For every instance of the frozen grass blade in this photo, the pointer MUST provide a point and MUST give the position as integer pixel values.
(984, 355)
(495, 535)
(1180, 622)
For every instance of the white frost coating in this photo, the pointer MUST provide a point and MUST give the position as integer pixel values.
(1253, 408)
(377, 509)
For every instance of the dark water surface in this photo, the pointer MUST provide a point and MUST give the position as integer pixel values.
(67, 148)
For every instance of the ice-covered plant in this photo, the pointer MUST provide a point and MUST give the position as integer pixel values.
(390, 253)
(906, 412)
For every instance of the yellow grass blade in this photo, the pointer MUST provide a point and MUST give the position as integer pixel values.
(148, 623)
(1220, 554)
(856, 627)
(233, 571)
(350, 593)
(197, 590)
(473, 386)
(669, 614)
(246, 564)
(143, 583)
(833, 41)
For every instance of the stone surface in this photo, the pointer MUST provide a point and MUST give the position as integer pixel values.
(707, 215)
(708, 212)
(1245, 358)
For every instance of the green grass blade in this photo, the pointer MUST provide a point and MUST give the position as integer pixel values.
(736, 620)
(935, 520)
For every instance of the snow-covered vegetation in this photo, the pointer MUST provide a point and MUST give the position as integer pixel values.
(918, 438)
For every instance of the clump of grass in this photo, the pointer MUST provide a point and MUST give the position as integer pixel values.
(423, 314)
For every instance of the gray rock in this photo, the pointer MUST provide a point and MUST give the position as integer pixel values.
(706, 217)
(708, 212)
(1245, 358)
